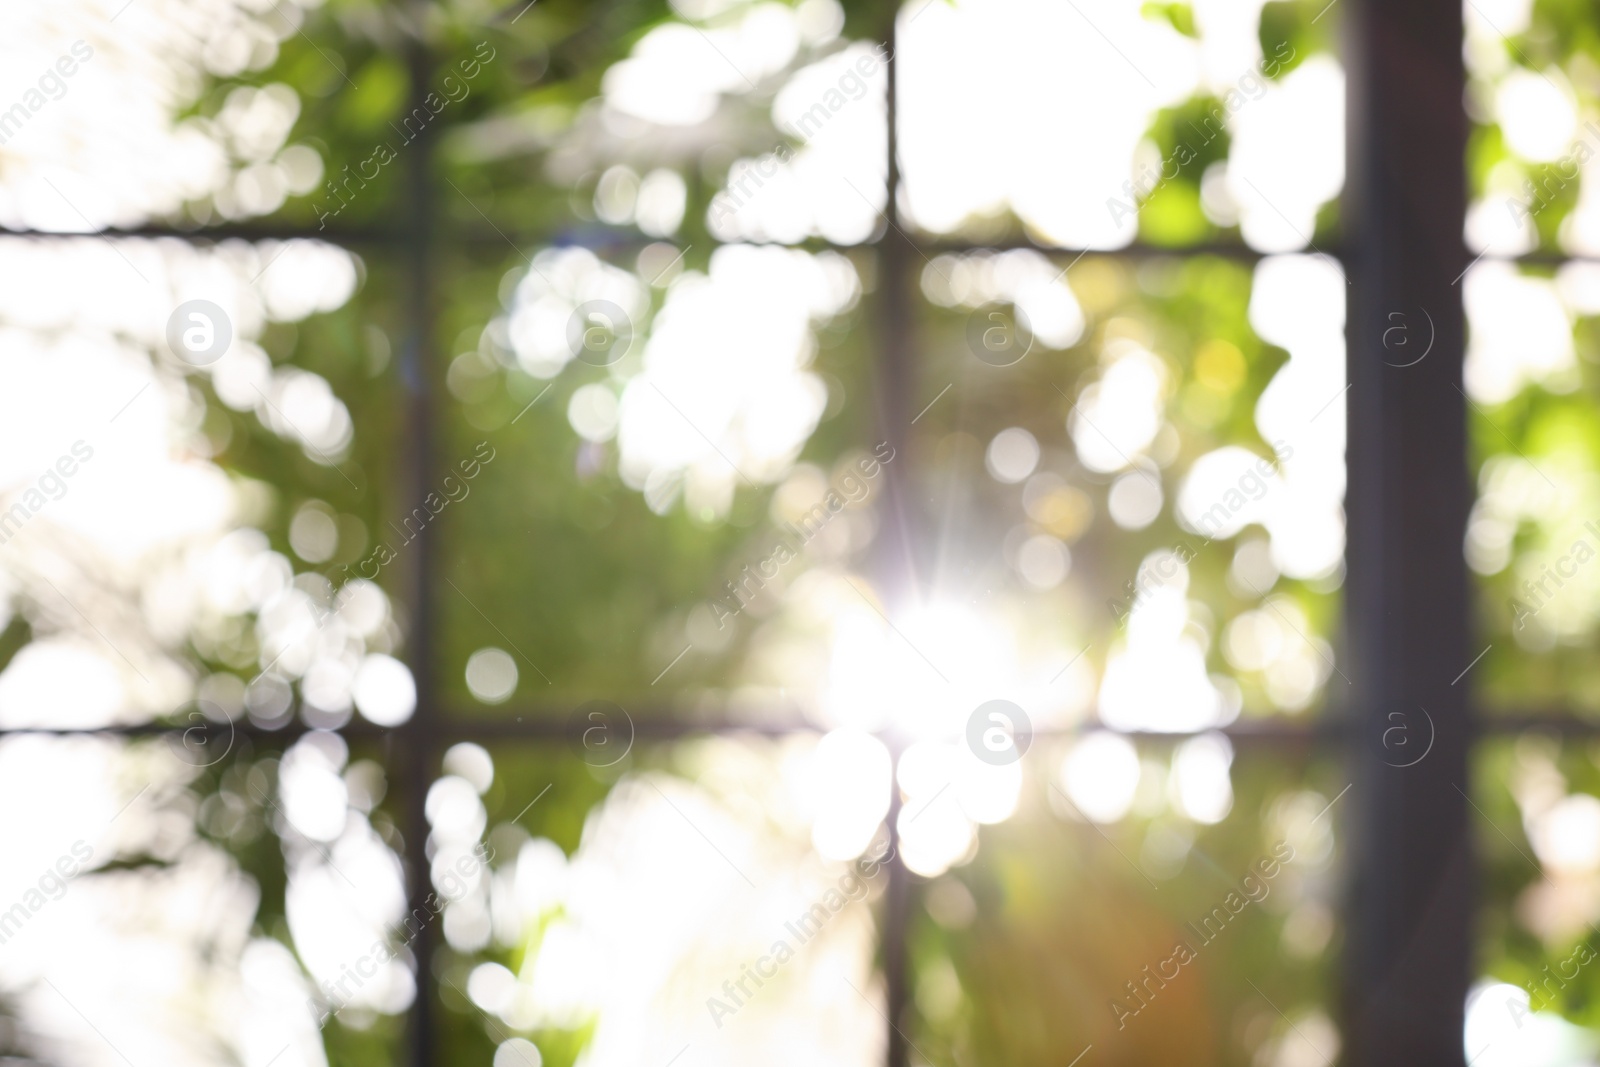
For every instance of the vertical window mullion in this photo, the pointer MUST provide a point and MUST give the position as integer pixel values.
(893, 560)
(419, 368)
(1408, 954)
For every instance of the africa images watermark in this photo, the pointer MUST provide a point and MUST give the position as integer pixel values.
(52, 885)
(52, 84)
(52, 486)
(1539, 992)
(1566, 567)
(1538, 197)
(455, 491)
(1255, 887)
(848, 88)
(411, 127)
(796, 535)
(853, 885)
(1251, 486)
(334, 994)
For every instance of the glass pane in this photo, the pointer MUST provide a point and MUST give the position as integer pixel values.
(333, 889)
(1140, 463)
(639, 486)
(1536, 811)
(1532, 532)
(1531, 102)
(170, 900)
(1211, 123)
(1143, 901)
(714, 898)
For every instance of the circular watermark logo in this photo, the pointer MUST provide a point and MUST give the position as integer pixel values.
(999, 334)
(606, 732)
(1404, 339)
(599, 333)
(1407, 740)
(999, 732)
(199, 332)
(204, 744)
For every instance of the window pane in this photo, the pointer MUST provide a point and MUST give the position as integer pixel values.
(627, 506)
(714, 897)
(1528, 98)
(1157, 932)
(1148, 471)
(1531, 536)
(1536, 809)
(1208, 122)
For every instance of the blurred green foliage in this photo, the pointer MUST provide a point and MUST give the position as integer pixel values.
(552, 555)
(1064, 915)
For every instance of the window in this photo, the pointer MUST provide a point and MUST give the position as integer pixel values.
(733, 531)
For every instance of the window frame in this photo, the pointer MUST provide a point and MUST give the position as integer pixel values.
(1409, 911)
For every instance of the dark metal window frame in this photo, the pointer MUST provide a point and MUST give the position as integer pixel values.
(1409, 906)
